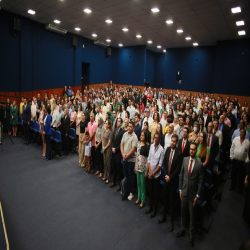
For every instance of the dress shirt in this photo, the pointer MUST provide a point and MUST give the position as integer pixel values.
(239, 151)
(131, 111)
(84, 106)
(155, 158)
(167, 140)
(185, 141)
(163, 123)
(237, 133)
(98, 115)
(234, 112)
(210, 142)
(33, 111)
(205, 118)
(179, 132)
(56, 118)
(149, 120)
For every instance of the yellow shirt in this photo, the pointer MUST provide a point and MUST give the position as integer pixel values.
(165, 130)
(21, 108)
(153, 128)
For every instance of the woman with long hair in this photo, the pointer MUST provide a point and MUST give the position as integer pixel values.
(194, 118)
(40, 121)
(138, 109)
(82, 129)
(159, 130)
(107, 152)
(147, 133)
(203, 151)
(201, 125)
(189, 124)
(78, 120)
(193, 136)
(119, 111)
(154, 125)
(14, 118)
(141, 105)
(73, 118)
(123, 112)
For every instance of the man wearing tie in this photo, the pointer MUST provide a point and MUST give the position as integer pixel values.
(172, 167)
(26, 121)
(115, 120)
(184, 144)
(117, 157)
(190, 186)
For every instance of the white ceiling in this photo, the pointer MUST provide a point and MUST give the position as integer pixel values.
(206, 21)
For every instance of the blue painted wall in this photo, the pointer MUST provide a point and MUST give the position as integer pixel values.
(150, 67)
(160, 62)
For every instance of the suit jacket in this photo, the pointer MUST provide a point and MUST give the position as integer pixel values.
(189, 185)
(175, 167)
(47, 127)
(225, 138)
(26, 114)
(65, 125)
(186, 148)
(116, 141)
(214, 150)
(209, 119)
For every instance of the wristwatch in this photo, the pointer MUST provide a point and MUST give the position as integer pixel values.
(197, 196)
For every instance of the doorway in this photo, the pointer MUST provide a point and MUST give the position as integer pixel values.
(85, 74)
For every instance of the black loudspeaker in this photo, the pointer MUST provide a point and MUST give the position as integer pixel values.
(17, 24)
(108, 52)
(74, 41)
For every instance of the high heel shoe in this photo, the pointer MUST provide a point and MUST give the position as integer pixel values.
(100, 175)
(104, 179)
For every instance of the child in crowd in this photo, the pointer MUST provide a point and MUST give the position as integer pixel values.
(87, 152)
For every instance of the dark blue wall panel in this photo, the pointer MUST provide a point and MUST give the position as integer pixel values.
(150, 67)
(160, 70)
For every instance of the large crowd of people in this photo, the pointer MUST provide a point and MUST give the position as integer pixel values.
(136, 134)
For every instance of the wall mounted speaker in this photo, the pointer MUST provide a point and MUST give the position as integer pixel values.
(17, 24)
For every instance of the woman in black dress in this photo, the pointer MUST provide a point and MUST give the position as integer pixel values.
(246, 212)
(147, 133)
(7, 125)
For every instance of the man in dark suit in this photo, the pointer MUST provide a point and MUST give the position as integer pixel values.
(117, 157)
(206, 116)
(26, 121)
(183, 144)
(65, 121)
(190, 186)
(172, 167)
(115, 120)
(225, 135)
(213, 144)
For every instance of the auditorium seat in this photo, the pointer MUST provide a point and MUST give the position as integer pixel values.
(56, 141)
(72, 138)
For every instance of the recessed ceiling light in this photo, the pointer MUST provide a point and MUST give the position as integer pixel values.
(195, 44)
(169, 22)
(179, 31)
(155, 10)
(138, 36)
(242, 32)
(159, 46)
(87, 10)
(108, 40)
(188, 38)
(31, 12)
(120, 45)
(125, 29)
(108, 21)
(77, 29)
(149, 41)
(236, 10)
(57, 21)
(94, 35)
(164, 51)
(240, 23)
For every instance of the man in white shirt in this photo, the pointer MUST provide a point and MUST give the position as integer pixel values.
(131, 109)
(169, 136)
(179, 130)
(147, 118)
(164, 120)
(239, 158)
(99, 114)
(33, 109)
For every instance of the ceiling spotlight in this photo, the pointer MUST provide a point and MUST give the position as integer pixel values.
(31, 12)
(159, 47)
(125, 29)
(87, 10)
(155, 10)
(164, 51)
(77, 29)
(188, 38)
(169, 22)
(236, 10)
(195, 44)
(138, 36)
(108, 21)
(108, 40)
(179, 31)
(94, 35)
(240, 23)
(150, 41)
(120, 45)
(57, 21)
(242, 32)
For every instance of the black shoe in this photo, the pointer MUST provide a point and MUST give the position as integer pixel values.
(153, 214)
(162, 219)
(112, 185)
(171, 226)
(180, 233)
(149, 210)
(231, 188)
(191, 241)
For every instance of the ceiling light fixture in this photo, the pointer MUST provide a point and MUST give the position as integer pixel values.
(169, 22)
(149, 41)
(164, 51)
(138, 36)
(159, 47)
(57, 21)
(108, 40)
(242, 32)
(77, 29)
(236, 10)
(94, 35)
(195, 44)
(108, 21)
(87, 10)
(179, 31)
(188, 38)
(120, 45)
(240, 23)
(31, 12)
(125, 29)
(155, 10)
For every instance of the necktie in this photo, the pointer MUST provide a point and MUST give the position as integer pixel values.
(208, 141)
(219, 127)
(170, 162)
(190, 168)
(183, 146)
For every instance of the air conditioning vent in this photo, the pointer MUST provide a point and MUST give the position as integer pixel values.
(56, 29)
(101, 43)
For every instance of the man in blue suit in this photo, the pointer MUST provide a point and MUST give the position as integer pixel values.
(26, 121)
(47, 133)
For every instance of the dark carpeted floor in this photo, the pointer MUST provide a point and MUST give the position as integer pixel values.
(54, 205)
